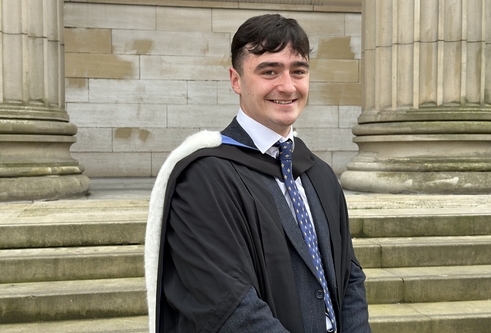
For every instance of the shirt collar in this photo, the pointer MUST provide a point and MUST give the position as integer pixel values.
(263, 137)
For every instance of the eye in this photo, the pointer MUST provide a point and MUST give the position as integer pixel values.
(300, 72)
(269, 73)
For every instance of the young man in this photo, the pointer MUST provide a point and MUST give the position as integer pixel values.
(239, 239)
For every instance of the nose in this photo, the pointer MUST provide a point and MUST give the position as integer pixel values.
(286, 84)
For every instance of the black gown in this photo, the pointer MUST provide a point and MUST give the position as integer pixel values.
(221, 234)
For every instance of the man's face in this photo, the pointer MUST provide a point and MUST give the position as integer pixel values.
(273, 88)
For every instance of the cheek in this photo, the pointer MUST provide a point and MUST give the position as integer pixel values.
(305, 87)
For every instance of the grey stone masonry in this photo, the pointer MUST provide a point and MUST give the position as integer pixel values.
(425, 125)
(77, 265)
(35, 133)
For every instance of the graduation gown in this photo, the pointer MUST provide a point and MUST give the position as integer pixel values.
(214, 232)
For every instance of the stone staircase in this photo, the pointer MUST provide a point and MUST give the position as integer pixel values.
(428, 268)
(72, 266)
(77, 265)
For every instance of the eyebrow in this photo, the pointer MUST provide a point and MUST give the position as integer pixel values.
(269, 64)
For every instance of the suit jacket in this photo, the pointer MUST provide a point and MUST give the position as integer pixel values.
(231, 259)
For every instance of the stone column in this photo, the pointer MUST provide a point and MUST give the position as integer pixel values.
(426, 120)
(35, 133)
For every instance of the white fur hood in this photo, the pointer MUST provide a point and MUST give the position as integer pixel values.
(203, 139)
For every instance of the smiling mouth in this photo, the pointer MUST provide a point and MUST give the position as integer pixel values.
(283, 102)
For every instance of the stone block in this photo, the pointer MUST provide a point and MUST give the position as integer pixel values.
(184, 68)
(13, 78)
(178, 19)
(318, 117)
(368, 253)
(326, 156)
(42, 188)
(335, 47)
(383, 75)
(487, 18)
(197, 3)
(452, 58)
(350, 6)
(328, 139)
(76, 90)
(35, 21)
(348, 116)
(340, 159)
(334, 70)
(405, 22)
(117, 115)
(93, 140)
(226, 95)
(86, 65)
(352, 25)
(110, 16)
(129, 139)
(229, 20)
(137, 91)
(474, 21)
(335, 94)
(54, 62)
(80, 40)
(474, 72)
(158, 160)
(355, 45)
(405, 75)
(453, 24)
(187, 43)
(36, 73)
(487, 75)
(277, 6)
(319, 23)
(11, 22)
(131, 164)
(384, 287)
(53, 10)
(202, 92)
(384, 15)
(429, 15)
(369, 30)
(203, 116)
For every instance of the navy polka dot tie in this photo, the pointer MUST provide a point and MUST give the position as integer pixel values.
(305, 223)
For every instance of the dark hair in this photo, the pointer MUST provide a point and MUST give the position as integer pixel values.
(268, 33)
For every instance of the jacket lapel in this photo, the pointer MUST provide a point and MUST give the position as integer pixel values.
(322, 228)
(289, 224)
(302, 161)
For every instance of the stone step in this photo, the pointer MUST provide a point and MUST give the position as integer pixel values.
(447, 317)
(428, 284)
(420, 222)
(137, 324)
(423, 251)
(68, 300)
(77, 263)
(72, 223)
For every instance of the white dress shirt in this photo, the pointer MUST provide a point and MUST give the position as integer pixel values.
(265, 139)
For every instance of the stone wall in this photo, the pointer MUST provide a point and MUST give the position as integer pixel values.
(141, 78)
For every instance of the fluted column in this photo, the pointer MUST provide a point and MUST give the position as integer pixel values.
(35, 133)
(426, 120)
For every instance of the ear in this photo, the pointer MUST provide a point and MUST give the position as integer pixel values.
(235, 80)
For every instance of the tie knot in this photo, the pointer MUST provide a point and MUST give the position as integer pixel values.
(285, 149)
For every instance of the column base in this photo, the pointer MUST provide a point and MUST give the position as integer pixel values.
(417, 182)
(43, 188)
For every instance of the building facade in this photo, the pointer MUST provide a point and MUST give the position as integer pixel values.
(400, 91)
(143, 75)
